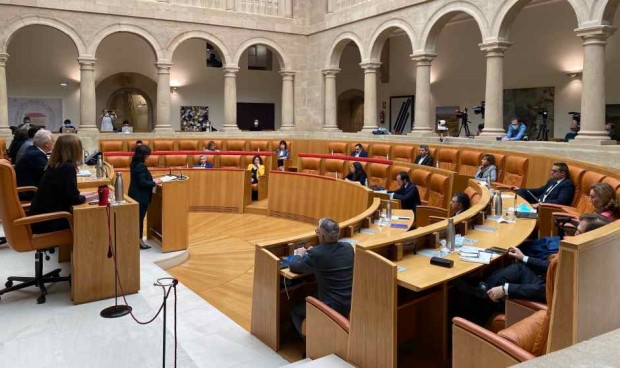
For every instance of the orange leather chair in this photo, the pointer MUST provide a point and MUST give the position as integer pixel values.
(500, 162)
(231, 161)
(380, 150)
(403, 153)
(469, 162)
(326, 331)
(262, 146)
(163, 145)
(310, 165)
(515, 172)
(21, 239)
(449, 159)
(474, 197)
(2, 149)
(118, 162)
(235, 145)
(276, 144)
(188, 145)
(422, 179)
(394, 171)
(131, 145)
(111, 146)
(335, 168)
(338, 148)
(153, 161)
(378, 174)
(522, 341)
(439, 191)
(175, 161)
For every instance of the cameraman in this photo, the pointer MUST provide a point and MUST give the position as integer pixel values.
(516, 131)
(574, 129)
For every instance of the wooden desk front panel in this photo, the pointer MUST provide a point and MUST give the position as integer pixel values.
(93, 273)
(307, 198)
(168, 215)
(220, 190)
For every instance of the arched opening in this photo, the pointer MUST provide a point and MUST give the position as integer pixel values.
(133, 108)
(126, 62)
(350, 78)
(43, 77)
(351, 110)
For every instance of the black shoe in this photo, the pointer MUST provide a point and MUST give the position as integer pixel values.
(2, 240)
(481, 290)
(144, 246)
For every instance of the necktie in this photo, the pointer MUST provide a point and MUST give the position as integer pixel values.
(544, 197)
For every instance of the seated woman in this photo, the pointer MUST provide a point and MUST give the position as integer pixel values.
(357, 174)
(487, 169)
(282, 154)
(203, 163)
(58, 189)
(460, 203)
(603, 199)
(257, 169)
(211, 147)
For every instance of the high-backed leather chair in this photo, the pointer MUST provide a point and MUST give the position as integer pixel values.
(111, 146)
(21, 239)
(469, 162)
(474, 197)
(262, 146)
(422, 179)
(175, 161)
(500, 162)
(2, 148)
(378, 174)
(394, 171)
(522, 341)
(188, 145)
(153, 161)
(118, 162)
(163, 145)
(310, 165)
(439, 191)
(449, 159)
(403, 153)
(131, 145)
(380, 150)
(515, 172)
(335, 168)
(326, 331)
(231, 161)
(338, 148)
(235, 145)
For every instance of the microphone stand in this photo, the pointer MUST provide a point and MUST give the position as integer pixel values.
(116, 310)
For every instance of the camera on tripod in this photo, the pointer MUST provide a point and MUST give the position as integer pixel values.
(479, 109)
(576, 116)
(542, 111)
(461, 114)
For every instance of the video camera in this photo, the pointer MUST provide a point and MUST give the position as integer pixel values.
(461, 114)
(542, 111)
(576, 116)
(479, 109)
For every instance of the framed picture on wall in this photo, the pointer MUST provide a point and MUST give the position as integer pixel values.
(46, 112)
(194, 118)
(401, 114)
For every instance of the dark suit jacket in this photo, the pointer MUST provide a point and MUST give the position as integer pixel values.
(362, 154)
(428, 160)
(141, 184)
(561, 194)
(207, 165)
(29, 170)
(58, 191)
(361, 180)
(332, 265)
(409, 196)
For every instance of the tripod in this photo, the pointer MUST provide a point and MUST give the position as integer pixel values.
(543, 130)
(464, 125)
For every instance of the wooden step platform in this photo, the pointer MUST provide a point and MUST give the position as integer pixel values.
(257, 208)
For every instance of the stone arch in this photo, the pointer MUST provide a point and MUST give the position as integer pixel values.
(441, 16)
(603, 11)
(178, 40)
(283, 59)
(508, 12)
(380, 35)
(125, 28)
(337, 47)
(21, 22)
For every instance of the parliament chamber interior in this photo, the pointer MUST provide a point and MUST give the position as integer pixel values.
(320, 183)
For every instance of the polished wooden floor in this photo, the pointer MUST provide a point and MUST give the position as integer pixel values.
(221, 262)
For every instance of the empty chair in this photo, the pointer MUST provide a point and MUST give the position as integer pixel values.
(448, 159)
(310, 165)
(403, 153)
(422, 180)
(163, 145)
(439, 191)
(175, 161)
(469, 162)
(335, 168)
(235, 145)
(231, 161)
(118, 162)
(262, 146)
(110, 146)
(378, 174)
(188, 145)
(153, 161)
(380, 150)
(338, 148)
(515, 172)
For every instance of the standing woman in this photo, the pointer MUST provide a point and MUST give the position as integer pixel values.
(282, 154)
(58, 189)
(141, 185)
(257, 169)
(487, 168)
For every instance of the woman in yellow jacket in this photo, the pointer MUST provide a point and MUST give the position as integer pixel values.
(257, 169)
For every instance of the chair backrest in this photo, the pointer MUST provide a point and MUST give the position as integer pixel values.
(474, 196)
(449, 159)
(378, 174)
(235, 145)
(403, 153)
(395, 170)
(439, 191)
(163, 145)
(500, 162)
(188, 145)
(469, 162)
(231, 161)
(422, 180)
(175, 160)
(196, 159)
(118, 162)
(338, 148)
(131, 145)
(582, 201)
(111, 146)
(332, 166)
(380, 150)
(262, 146)
(2, 148)
(19, 237)
(153, 161)
(218, 144)
(515, 171)
(575, 174)
(310, 165)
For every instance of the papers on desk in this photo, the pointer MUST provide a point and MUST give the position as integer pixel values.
(368, 231)
(400, 268)
(475, 255)
(404, 218)
(167, 178)
(489, 229)
(84, 174)
(430, 253)
(350, 241)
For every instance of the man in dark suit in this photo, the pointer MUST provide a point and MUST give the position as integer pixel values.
(331, 262)
(424, 157)
(359, 151)
(558, 190)
(31, 166)
(204, 163)
(407, 193)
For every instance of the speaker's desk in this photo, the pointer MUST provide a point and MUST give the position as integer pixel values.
(92, 182)
(168, 215)
(92, 275)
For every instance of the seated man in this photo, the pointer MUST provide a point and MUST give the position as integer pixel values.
(558, 190)
(31, 166)
(331, 262)
(27, 144)
(459, 204)
(204, 163)
(516, 131)
(359, 151)
(423, 157)
(407, 193)
(574, 130)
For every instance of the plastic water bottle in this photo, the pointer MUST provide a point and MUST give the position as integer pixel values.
(99, 167)
(450, 235)
(119, 196)
(366, 182)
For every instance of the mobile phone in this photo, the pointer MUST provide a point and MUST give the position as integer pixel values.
(497, 250)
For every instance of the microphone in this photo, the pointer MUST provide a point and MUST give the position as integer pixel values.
(180, 177)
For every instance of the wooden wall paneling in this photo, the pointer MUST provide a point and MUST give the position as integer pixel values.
(266, 298)
(220, 190)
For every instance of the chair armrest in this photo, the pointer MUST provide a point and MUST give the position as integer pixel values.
(26, 189)
(519, 309)
(424, 202)
(546, 225)
(536, 306)
(29, 220)
(494, 340)
(332, 314)
(326, 331)
(499, 185)
(424, 213)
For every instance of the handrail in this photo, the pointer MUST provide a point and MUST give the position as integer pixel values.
(196, 153)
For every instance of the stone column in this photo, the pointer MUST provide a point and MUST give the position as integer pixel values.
(330, 123)
(88, 98)
(288, 101)
(424, 125)
(4, 98)
(494, 94)
(370, 95)
(593, 91)
(230, 99)
(162, 124)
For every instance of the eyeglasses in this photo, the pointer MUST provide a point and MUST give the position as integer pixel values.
(555, 170)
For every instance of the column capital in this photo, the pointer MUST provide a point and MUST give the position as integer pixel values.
(287, 74)
(163, 66)
(595, 34)
(230, 70)
(370, 65)
(423, 58)
(495, 48)
(3, 58)
(87, 62)
(330, 72)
